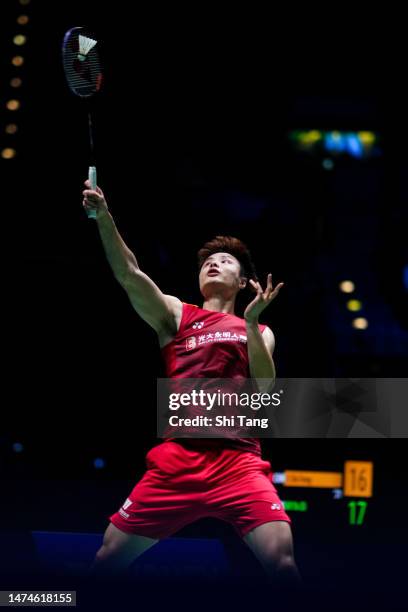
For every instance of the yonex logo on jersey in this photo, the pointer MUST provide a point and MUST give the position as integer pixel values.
(198, 325)
(127, 504)
(191, 343)
(275, 507)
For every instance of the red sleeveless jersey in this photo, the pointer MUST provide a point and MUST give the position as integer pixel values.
(210, 345)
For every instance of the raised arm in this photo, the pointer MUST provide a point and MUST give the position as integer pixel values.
(160, 311)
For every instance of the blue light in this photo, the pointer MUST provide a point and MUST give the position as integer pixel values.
(99, 463)
(405, 277)
(334, 141)
(17, 447)
(359, 144)
(354, 145)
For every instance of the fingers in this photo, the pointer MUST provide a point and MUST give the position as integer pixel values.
(257, 286)
(269, 292)
(277, 289)
(269, 288)
(91, 199)
(93, 196)
(88, 204)
(254, 285)
(98, 190)
(260, 295)
(279, 286)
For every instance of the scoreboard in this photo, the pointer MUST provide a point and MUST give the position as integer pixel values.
(308, 491)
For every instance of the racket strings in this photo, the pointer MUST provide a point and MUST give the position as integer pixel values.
(84, 75)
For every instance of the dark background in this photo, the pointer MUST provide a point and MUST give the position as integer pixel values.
(191, 141)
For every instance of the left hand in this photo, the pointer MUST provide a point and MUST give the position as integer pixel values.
(262, 300)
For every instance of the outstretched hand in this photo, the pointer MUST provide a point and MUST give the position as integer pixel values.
(262, 299)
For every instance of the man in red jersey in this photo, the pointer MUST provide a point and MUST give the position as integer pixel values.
(187, 479)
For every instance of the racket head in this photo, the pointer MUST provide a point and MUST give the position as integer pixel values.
(83, 71)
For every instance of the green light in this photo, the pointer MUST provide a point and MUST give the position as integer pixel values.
(357, 512)
(295, 506)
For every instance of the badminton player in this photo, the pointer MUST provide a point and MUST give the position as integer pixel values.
(188, 479)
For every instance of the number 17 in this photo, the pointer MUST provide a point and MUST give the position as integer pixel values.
(357, 518)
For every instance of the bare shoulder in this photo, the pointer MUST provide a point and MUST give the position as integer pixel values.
(269, 338)
(175, 307)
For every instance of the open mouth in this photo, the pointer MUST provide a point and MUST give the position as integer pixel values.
(213, 273)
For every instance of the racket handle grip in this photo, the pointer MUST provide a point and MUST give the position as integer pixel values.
(92, 179)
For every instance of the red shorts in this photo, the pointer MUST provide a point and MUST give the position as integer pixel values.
(183, 485)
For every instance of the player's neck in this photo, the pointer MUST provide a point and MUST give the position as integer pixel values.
(219, 303)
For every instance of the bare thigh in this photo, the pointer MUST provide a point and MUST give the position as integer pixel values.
(119, 549)
(271, 543)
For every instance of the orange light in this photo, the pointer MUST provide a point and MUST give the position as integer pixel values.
(347, 286)
(8, 153)
(18, 60)
(11, 128)
(22, 20)
(13, 105)
(360, 323)
(16, 82)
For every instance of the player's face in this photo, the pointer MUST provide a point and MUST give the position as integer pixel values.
(220, 272)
